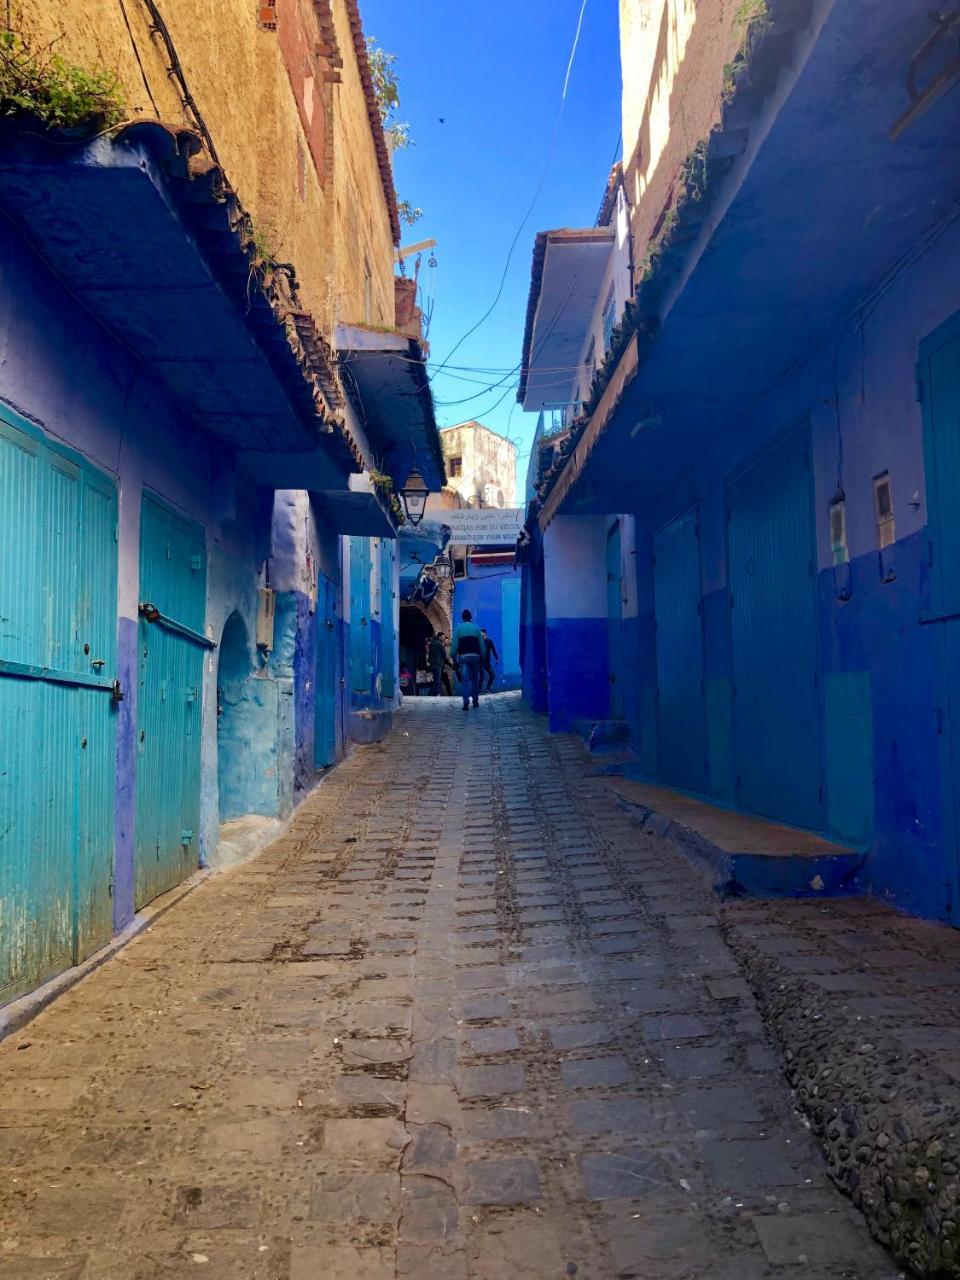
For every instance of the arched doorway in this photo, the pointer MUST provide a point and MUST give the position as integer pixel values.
(236, 716)
(415, 630)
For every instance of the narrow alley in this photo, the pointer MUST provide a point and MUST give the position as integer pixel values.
(463, 1020)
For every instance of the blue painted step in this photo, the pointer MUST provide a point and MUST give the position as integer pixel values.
(742, 855)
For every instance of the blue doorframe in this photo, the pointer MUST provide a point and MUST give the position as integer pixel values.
(939, 379)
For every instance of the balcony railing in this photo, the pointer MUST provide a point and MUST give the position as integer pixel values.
(554, 418)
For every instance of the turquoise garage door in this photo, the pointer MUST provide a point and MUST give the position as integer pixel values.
(58, 627)
(170, 677)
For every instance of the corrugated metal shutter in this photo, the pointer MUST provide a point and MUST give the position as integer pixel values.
(58, 625)
(772, 568)
(173, 580)
(681, 716)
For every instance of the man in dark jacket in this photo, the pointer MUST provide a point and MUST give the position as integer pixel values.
(466, 649)
(436, 657)
(490, 656)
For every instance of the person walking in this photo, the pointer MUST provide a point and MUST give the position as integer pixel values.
(447, 667)
(466, 649)
(436, 657)
(490, 656)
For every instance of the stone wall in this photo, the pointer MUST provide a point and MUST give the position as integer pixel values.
(326, 226)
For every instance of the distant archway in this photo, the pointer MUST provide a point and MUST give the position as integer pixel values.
(235, 724)
(415, 630)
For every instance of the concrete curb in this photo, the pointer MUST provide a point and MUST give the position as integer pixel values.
(23, 1010)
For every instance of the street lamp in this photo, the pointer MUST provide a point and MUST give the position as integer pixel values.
(414, 494)
(443, 568)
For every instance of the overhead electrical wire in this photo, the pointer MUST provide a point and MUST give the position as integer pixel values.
(536, 195)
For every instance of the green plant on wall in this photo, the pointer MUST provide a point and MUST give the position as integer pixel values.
(409, 213)
(386, 88)
(383, 482)
(262, 249)
(60, 94)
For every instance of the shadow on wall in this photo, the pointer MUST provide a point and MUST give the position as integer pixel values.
(246, 729)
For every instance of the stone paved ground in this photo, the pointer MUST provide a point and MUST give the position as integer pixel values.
(463, 1021)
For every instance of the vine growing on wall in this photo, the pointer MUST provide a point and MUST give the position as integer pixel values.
(386, 88)
(383, 482)
(58, 93)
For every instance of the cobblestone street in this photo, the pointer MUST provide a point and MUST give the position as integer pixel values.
(464, 1020)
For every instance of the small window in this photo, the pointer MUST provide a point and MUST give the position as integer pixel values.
(456, 466)
(267, 14)
(838, 529)
(460, 567)
(590, 363)
(883, 507)
(609, 320)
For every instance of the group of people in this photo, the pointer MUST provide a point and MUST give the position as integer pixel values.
(471, 655)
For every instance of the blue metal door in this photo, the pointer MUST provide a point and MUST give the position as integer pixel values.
(510, 627)
(615, 622)
(388, 633)
(361, 667)
(327, 679)
(58, 626)
(170, 678)
(939, 378)
(776, 696)
(681, 714)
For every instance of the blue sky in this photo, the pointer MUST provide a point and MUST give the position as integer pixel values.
(494, 72)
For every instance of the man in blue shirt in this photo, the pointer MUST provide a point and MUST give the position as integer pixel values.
(466, 649)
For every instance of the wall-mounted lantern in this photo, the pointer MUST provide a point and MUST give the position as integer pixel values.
(443, 568)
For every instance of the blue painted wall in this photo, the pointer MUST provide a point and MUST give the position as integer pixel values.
(485, 591)
(67, 376)
(881, 688)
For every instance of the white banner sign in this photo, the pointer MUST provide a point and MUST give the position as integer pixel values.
(484, 526)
